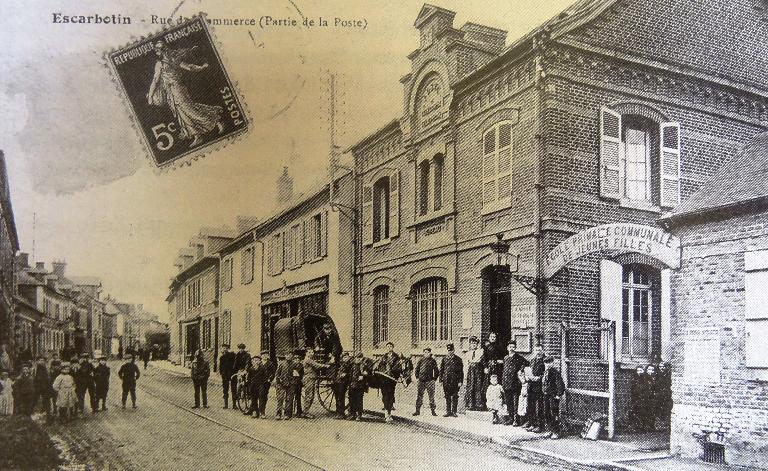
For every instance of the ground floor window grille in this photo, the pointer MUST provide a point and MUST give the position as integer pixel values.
(380, 315)
(432, 310)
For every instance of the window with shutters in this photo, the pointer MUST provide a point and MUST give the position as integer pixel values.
(639, 159)
(248, 319)
(429, 180)
(497, 162)
(380, 315)
(297, 249)
(431, 304)
(423, 195)
(756, 308)
(317, 237)
(381, 209)
(275, 256)
(226, 274)
(246, 266)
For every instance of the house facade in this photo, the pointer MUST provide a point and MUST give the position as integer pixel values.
(720, 313)
(518, 192)
(194, 293)
(9, 245)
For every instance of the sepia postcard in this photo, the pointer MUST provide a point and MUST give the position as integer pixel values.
(363, 235)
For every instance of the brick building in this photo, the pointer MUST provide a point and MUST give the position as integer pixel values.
(571, 142)
(720, 312)
(9, 245)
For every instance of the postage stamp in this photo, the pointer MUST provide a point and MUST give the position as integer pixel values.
(180, 95)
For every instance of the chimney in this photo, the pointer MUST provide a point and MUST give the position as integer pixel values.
(22, 260)
(246, 222)
(492, 38)
(59, 267)
(40, 266)
(284, 187)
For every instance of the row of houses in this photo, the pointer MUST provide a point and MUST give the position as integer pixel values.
(45, 311)
(597, 187)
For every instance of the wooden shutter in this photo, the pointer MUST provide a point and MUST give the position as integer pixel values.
(324, 233)
(280, 253)
(394, 204)
(670, 164)
(367, 215)
(305, 241)
(610, 300)
(611, 154)
(244, 267)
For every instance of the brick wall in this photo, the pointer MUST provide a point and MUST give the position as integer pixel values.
(708, 303)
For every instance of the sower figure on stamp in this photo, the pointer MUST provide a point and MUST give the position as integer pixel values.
(452, 376)
(168, 89)
(426, 373)
(226, 370)
(101, 377)
(474, 396)
(510, 382)
(129, 373)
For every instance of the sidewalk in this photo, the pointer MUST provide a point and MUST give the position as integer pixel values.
(632, 453)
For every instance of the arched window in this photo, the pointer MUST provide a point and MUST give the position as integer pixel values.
(640, 291)
(431, 310)
(380, 315)
(423, 177)
(381, 209)
(497, 159)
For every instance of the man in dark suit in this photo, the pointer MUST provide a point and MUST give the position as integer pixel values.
(226, 370)
(510, 382)
(242, 363)
(452, 377)
(129, 373)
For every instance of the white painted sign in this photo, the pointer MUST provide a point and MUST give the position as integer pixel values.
(652, 241)
(523, 316)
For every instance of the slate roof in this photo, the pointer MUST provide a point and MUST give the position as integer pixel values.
(743, 179)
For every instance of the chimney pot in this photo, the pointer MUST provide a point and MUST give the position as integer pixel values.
(284, 187)
(40, 265)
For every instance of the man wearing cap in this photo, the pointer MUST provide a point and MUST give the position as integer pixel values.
(452, 377)
(426, 373)
(474, 396)
(226, 370)
(312, 366)
(535, 395)
(328, 341)
(101, 379)
(341, 384)
(129, 373)
(553, 388)
(510, 382)
(84, 383)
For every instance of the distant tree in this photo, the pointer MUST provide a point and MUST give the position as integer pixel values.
(160, 343)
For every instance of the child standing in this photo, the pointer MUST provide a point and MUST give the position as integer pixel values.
(522, 403)
(101, 378)
(553, 389)
(286, 378)
(66, 399)
(494, 398)
(6, 394)
(358, 384)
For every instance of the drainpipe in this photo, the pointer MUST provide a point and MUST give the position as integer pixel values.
(261, 279)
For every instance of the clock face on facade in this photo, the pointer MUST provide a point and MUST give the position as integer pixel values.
(430, 102)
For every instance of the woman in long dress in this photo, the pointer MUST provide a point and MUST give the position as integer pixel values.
(6, 394)
(64, 385)
(168, 89)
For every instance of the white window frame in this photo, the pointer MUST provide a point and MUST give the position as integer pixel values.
(628, 342)
(499, 201)
(756, 312)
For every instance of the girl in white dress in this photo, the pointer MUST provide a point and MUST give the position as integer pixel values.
(6, 394)
(64, 385)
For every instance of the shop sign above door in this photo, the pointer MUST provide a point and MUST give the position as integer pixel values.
(621, 238)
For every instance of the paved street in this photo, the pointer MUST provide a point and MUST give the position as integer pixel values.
(163, 433)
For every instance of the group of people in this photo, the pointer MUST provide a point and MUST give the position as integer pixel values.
(650, 396)
(59, 387)
(498, 380)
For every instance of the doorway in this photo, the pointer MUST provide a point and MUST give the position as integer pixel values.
(192, 338)
(497, 302)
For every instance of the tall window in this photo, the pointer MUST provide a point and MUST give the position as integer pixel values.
(423, 187)
(380, 315)
(381, 209)
(316, 228)
(638, 133)
(226, 274)
(437, 178)
(497, 160)
(431, 310)
(275, 254)
(246, 266)
(226, 327)
(637, 289)
(248, 315)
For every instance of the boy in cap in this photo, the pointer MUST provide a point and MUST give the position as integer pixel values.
(298, 357)
(129, 373)
(258, 387)
(358, 384)
(426, 374)
(286, 378)
(553, 389)
(452, 376)
(101, 378)
(341, 384)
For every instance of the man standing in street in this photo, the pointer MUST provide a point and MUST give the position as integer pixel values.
(42, 386)
(553, 388)
(258, 387)
(285, 380)
(226, 370)
(101, 379)
(452, 376)
(535, 395)
(200, 371)
(341, 384)
(84, 383)
(510, 382)
(129, 373)
(312, 367)
(426, 373)
(24, 391)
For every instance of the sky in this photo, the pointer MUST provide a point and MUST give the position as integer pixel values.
(82, 187)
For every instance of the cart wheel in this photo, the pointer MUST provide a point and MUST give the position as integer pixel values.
(243, 400)
(324, 388)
